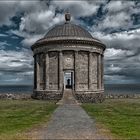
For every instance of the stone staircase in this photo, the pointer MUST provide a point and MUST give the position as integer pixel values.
(67, 98)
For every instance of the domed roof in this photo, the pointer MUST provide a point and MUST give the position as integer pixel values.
(68, 30)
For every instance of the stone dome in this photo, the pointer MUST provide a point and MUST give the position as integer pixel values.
(68, 30)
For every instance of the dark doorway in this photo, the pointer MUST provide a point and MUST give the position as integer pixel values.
(68, 80)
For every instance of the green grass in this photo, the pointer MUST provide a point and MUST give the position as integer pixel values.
(17, 116)
(120, 116)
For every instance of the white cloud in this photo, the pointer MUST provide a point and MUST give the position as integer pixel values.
(3, 35)
(78, 8)
(121, 40)
(119, 15)
(111, 54)
(40, 22)
(17, 66)
(9, 9)
(121, 19)
(116, 6)
(28, 39)
(122, 59)
(13, 60)
(31, 40)
(114, 68)
(37, 22)
(39, 17)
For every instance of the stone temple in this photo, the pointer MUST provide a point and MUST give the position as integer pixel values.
(68, 57)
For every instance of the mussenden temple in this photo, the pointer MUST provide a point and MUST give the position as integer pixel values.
(68, 57)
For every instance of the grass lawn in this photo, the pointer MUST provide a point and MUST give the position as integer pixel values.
(18, 116)
(120, 116)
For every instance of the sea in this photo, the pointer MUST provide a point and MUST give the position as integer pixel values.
(109, 89)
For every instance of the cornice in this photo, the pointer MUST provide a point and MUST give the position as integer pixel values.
(59, 40)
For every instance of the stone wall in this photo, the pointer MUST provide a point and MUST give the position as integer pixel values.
(81, 59)
(42, 71)
(89, 97)
(94, 71)
(56, 96)
(82, 70)
(53, 70)
(47, 95)
(68, 59)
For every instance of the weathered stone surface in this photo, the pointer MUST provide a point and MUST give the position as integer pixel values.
(82, 70)
(83, 98)
(53, 70)
(47, 95)
(93, 74)
(89, 97)
(68, 59)
(80, 55)
(63, 46)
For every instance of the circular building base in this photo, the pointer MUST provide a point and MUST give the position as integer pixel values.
(47, 95)
(89, 97)
(80, 96)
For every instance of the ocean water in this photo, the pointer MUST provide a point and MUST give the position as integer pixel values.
(122, 88)
(16, 89)
(109, 89)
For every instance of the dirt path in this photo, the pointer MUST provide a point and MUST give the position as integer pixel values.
(69, 121)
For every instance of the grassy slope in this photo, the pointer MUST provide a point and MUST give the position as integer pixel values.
(121, 117)
(17, 116)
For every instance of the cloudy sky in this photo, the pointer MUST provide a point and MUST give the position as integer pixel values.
(116, 23)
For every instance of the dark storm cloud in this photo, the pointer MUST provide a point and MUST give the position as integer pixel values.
(16, 66)
(127, 66)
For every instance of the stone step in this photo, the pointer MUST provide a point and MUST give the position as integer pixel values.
(68, 98)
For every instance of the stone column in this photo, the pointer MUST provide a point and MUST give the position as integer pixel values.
(60, 82)
(44, 71)
(47, 71)
(99, 71)
(76, 70)
(102, 74)
(90, 71)
(37, 72)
